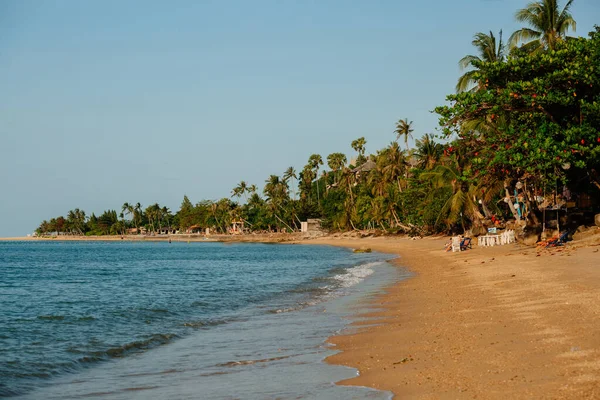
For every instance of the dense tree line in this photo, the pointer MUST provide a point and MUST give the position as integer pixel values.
(523, 125)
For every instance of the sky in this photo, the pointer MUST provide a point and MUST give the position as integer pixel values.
(106, 102)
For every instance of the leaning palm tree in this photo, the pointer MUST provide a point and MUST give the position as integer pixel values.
(462, 200)
(489, 50)
(240, 189)
(404, 128)
(548, 25)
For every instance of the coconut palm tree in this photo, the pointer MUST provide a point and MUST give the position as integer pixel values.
(243, 188)
(137, 214)
(315, 161)
(404, 128)
(128, 209)
(240, 189)
(462, 201)
(428, 152)
(166, 213)
(290, 174)
(489, 50)
(392, 163)
(548, 25)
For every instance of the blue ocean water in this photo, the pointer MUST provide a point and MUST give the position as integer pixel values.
(178, 320)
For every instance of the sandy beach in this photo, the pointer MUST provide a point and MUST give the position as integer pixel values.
(502, 322)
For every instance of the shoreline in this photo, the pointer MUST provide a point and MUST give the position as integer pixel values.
(503, 322)
(263, 238)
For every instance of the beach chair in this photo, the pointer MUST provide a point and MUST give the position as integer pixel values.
(562, 239)
(465, 244)
(456, 243)
(511, 236)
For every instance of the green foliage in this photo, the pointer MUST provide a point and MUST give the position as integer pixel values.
(539, 113)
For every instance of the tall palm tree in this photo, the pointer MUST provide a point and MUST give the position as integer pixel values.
(130, 209)
(240, 189)
(137, 214)
(404, 128)
(315, 161)
(548, 25)
(166, 213)
(290, 174)
(359, 146)
(489, 50)
(243, 187)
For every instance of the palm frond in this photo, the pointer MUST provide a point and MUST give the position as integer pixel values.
(466, 61)
(523, 35)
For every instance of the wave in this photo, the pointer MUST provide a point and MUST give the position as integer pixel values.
(250, 362)
(355, 275)
(206, 323)
(51, 317)
(155, 340)
(329, 286)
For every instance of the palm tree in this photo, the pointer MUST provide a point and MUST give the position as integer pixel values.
(404, 128)
(127, 209)
(152, 215)
(462, 201)
(314, 161)
(548, 25)
(137, 214)
(392, 163)
(359, 146)
(428, 152)
(165, 212)
(290, 174)
(489, 51)
(276, 192)
(239, 190)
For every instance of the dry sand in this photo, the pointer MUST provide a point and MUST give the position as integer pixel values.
(508, 322)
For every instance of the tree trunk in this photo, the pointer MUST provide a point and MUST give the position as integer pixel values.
(290, 228)
(486, 210)
(510, 204)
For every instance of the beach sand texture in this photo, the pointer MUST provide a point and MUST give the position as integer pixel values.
(500, 322)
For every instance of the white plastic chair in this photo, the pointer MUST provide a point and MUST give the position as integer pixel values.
(511, 236)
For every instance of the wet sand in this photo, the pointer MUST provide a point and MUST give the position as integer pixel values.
(508, 322)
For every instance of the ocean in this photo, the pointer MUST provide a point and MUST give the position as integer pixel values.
(123, 320)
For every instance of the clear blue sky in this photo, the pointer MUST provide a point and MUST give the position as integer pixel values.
(103, 102)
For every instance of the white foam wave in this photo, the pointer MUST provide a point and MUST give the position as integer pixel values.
(355, 275)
